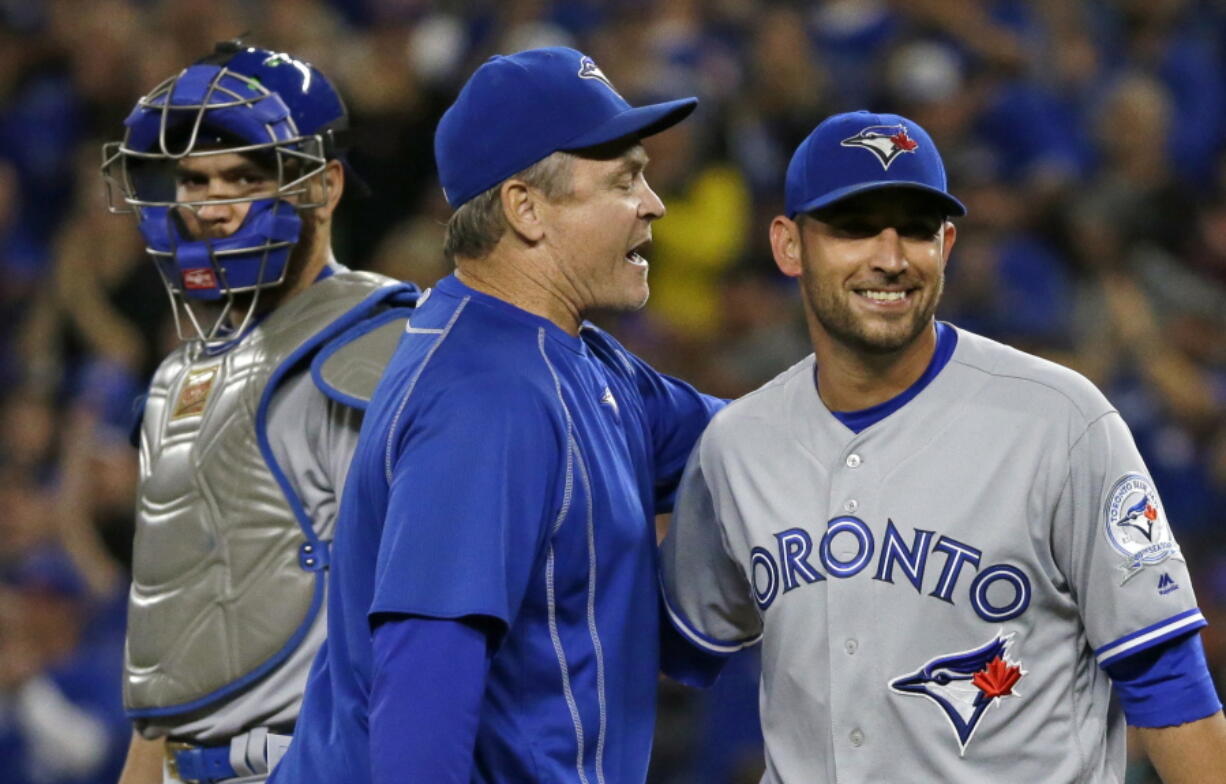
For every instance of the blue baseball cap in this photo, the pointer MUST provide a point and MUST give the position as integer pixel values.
(856, 152)
(518, 109)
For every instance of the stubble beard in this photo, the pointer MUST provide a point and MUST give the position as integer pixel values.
(834, 312)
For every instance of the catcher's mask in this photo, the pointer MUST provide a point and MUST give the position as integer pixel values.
(283, 117)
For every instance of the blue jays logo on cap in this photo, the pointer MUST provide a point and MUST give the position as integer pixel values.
(965, 684)
(831, 165)
(887, 142)
(589, 70)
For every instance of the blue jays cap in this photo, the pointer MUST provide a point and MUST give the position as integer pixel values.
(856, 152)
(518, 109)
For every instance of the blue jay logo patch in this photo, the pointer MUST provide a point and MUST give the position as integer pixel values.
(589, 70)
(964, 685)
(1136, 525)
(885, 142)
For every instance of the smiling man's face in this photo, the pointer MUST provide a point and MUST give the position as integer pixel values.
(873, 267)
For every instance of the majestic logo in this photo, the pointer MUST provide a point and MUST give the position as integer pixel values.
(1136, 526)
(199, 278)
(194, 395)
(964, 685)
(886, 142)
(589, 70)
(1167, 584)
(608, 400)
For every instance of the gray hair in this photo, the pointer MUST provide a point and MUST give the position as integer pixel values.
(476, 226)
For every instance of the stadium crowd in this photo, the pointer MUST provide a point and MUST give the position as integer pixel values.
(1087, 139)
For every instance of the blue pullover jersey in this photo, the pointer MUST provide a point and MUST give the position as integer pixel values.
(509, 470)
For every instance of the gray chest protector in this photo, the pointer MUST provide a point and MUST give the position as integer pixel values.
(227, 569)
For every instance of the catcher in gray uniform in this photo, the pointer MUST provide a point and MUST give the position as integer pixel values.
(231, 170)
(951, 551)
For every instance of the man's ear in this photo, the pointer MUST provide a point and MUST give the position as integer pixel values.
(522, 208)
(948, 239)
(785, 245)
(333, 179)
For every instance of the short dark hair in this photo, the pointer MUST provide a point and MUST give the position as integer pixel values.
(476, 226)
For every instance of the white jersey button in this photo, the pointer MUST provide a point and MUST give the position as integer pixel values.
(853, 461)
(857, 738)
(851, 646)
(851, 506)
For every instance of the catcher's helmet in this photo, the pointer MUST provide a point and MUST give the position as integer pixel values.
(270, 107)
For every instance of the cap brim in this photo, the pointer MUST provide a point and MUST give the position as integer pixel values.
(641, 121)
(954, 207)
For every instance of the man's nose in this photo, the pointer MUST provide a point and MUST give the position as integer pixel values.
(218, 220)
(652, 206)
(890, 255)
(214, 213)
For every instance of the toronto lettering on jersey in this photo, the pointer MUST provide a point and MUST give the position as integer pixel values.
(794, 562)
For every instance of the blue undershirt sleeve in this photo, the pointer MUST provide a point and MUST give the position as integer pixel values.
(425, 699)
(683, 661)
(1166, 685)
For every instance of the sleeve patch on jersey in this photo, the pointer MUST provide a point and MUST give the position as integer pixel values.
(1136, 527)
(964, 685)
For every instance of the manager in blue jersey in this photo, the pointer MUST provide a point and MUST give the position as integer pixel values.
(494, 606)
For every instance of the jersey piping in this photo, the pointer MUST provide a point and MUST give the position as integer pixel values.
(1151, 635)
(387, 467)
(591, 615)
(572, 449)
(864, 418)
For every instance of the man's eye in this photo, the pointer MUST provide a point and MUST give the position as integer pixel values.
(857, 229)
(919, 231)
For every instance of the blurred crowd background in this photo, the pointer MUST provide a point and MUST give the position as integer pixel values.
(1088, 140)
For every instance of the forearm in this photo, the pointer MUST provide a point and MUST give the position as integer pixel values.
(144, 762)
(425, 702)
(1191, 753)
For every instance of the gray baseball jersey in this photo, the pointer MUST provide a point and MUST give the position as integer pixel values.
(936, 595)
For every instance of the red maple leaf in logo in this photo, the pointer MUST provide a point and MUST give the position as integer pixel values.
(904, 142)
(997, 679)
(1151, 512)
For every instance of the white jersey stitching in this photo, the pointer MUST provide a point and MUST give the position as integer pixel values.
(591, 613)
(391, 433)
(550, 595)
